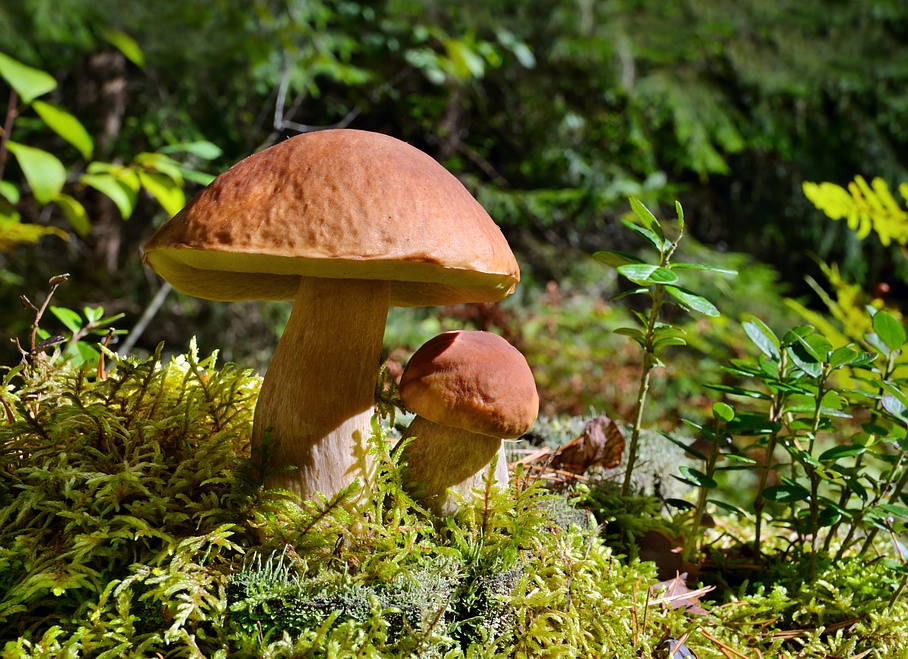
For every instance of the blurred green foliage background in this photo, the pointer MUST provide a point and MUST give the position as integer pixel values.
(551, 113)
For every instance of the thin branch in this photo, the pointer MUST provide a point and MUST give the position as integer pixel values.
(7, 128)
(281, 124)
(146, 317)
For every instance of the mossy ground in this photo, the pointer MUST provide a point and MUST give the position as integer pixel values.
(133, 522)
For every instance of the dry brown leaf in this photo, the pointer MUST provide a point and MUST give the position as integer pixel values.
(677, 595)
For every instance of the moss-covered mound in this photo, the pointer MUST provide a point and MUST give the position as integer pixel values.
(133, 522)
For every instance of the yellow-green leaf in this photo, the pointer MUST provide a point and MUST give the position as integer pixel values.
(28, 82)
(66, 126)
(43, 171)
(9, 192)
(13, 232)
(163, 164)
(165, 190)
(76, 214)
(119, 192)
(126, 45)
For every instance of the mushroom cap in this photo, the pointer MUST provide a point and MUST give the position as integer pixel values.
(341, 203)
(475, 381)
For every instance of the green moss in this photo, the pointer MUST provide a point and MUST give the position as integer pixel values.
(133, 522)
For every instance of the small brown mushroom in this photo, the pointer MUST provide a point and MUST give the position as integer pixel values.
(469, 391)
(346, 223)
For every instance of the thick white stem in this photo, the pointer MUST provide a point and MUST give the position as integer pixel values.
(318, 394)
(445, 464)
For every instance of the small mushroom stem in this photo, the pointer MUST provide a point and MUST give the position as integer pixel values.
(318, 394)
(445, 464)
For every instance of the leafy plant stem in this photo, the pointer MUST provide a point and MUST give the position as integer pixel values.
(775, 415)
(649, 362)
(843, 500)
(893, 496)
(812, 473)
(702, 495)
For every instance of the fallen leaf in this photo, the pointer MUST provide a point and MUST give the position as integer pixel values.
(676, 594)
(601, 443)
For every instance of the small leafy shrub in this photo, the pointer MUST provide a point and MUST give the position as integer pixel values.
(661, 283)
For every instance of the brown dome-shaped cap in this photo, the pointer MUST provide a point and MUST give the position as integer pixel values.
(339, 203)
(475, 381)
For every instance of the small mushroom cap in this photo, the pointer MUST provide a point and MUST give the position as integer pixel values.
(342, 203)
(475, 381)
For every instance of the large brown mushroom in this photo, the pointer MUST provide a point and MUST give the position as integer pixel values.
(469, 391)
(345, 223)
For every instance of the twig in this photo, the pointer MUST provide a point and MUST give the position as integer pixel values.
(7, 128)
(724, 649)
(54, 282)
(146, 317)
(281, 124)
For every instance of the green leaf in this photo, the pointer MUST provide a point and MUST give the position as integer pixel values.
(9, 191)
(843, 451)
(69, 318)
(683, 445)
(669, 341)
(202, 178)
(705, 268)
(727, 507)
(93, 314)
(127, 175)
(642, 273)
(614, 258)
(126, 45)
(118, 191)
(634, 291)
(165, 190)
(200, 149)
(786, 493)
(692, 301)
(632, 332)
(43, 171)
(794, 335)
(739, 391)
(844, 356)
(894, 391)
(698, 477)
(829, 516)
(66, 126)
(13, 232)
(723, 412)
(808, 356)
(465, 62)
(680, 212)
(893, 509)
(647, 218)
(680, 504)
(763, 337)
(76, 214)
(662, 330)
(895, 407)
(28, 82)
(734, 457)
(889, 330)
(753, 423)
(816, 345)
(651, 237)
(162, 163)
